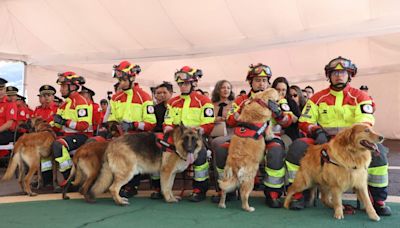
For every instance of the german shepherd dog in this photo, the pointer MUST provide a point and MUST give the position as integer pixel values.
(246, 153)
(132, 154)
(337, 166)
(87, 162)
(28, 150)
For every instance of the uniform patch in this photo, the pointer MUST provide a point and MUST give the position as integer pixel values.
(285, 107)
(150, 109)
(209, 112)
(367, 108)
(12, 111)
(22, 113)
(82, 112)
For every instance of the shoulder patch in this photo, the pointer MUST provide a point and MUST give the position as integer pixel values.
(367, 109)
(285, 107)
(150, 109)
(83, 112)
(209, 112)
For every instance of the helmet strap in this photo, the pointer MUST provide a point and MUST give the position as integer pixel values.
(339, 86)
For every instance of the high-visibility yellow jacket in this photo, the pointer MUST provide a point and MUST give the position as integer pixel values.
(333, 110)
(193, 110)
(78, 112)
(133, 106)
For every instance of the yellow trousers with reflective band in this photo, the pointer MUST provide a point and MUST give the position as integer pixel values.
(46, 164)
(201, 172)
(65, 161)
(274, 178)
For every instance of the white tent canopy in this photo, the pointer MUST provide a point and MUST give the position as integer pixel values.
(222, 37)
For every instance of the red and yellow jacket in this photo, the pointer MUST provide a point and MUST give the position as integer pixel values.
(133, 106)
(46, 112)
(333, 110)
(193, 110)
(78, 111)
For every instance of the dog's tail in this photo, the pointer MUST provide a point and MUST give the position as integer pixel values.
(104, 180)
(14, 162)
(230, 182)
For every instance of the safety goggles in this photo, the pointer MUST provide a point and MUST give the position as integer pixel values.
(340, 64)
(183, 76)
(258, 70)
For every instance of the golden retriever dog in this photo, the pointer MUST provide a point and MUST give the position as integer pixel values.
(28, 150)
(337, 166)
(87, 162)
(246, 153)
(132, 154)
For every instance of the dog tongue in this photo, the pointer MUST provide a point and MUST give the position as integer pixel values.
(376, 150)
(190, 158)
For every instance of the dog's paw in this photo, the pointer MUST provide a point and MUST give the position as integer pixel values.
(32, 194)
(249, 209)
(374, 217)
(172, 200)
(338, 215)
(222, 205)
(124, 201)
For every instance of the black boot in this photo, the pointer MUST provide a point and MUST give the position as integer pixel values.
(381, 208)
(297, 202)
(197, 195)
(128, 191)
(272, 199)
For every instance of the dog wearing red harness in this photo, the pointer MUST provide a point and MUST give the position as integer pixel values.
(145, 153)
(337, 166)
(247, 147)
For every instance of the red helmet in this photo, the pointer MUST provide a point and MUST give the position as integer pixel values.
(126, 68)
(188, 74)
(70, 78)
(259, 70)
(340, 63)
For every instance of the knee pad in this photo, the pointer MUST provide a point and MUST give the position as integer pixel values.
(296, 151)
(220, 156)
(276, 157)
(57, 149)
(202, 157)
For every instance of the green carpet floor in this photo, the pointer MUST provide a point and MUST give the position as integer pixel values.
(143, 212)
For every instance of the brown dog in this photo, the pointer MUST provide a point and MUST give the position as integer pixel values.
(246, 153)
(132, 154)
(342, 166)
(28, 150)
(87, 163)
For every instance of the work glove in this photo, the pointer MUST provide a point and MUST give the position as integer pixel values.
(126, 126)
(320, 136)
(275, 109)
(59, 120)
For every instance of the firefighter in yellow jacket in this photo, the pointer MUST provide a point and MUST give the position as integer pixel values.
(192, 110)
(73, 119)
(133, 108)
(331, 110)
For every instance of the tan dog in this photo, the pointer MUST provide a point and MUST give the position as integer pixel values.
(28, 150)
(87, 163)
(246, 153)
(132, 154)
(349, 156)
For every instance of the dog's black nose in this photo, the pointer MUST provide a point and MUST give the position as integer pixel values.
(381, 138)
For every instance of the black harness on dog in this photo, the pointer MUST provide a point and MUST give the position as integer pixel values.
(326, 159)
(163, 143)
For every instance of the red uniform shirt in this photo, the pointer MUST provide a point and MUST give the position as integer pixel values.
(96, 120)
(8, 111)
(46, 112)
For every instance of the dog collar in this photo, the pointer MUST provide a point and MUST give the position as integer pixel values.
(251, 130)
